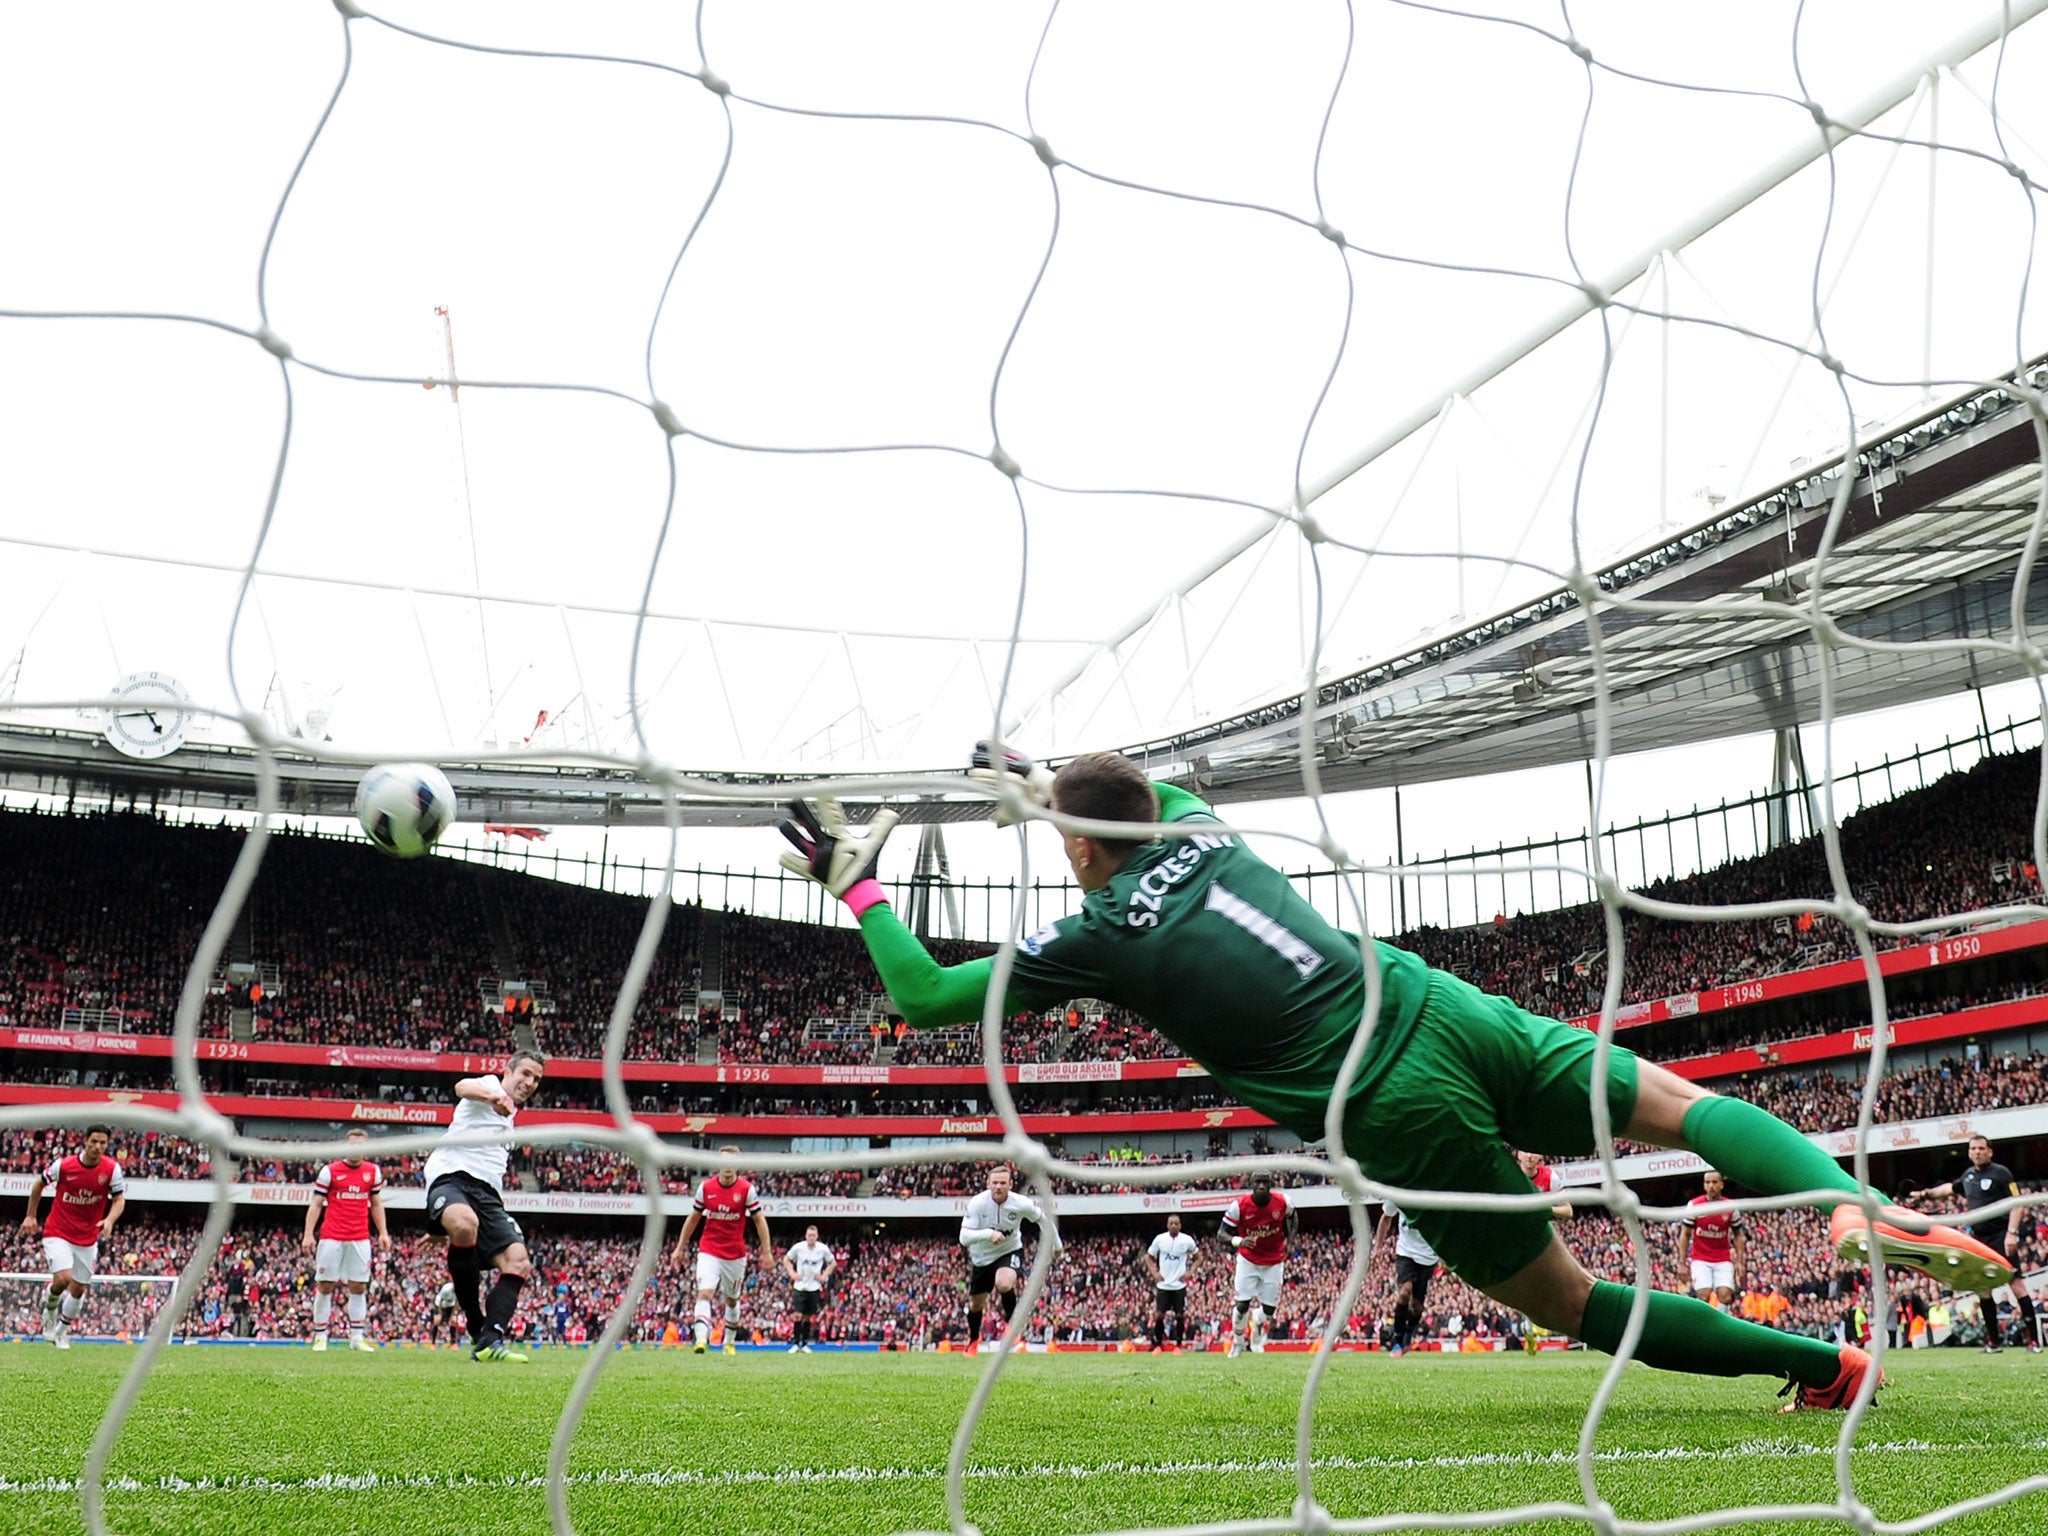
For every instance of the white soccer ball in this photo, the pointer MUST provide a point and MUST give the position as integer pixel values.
(405, 807)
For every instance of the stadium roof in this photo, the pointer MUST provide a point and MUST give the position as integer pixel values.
(1927, 553)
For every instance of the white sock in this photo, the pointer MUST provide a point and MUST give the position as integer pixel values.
(323, 1306)
(68, 1306)
(358, 1314)
(701, 1328)
(732, 1318)
(50, 1302)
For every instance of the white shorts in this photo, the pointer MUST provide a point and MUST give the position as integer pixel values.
(335, 1260)
(1708, 1276)
(721, 1275)
(70, 1256)
(1258, 1282)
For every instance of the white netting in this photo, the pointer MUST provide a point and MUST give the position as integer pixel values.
(1601, 302)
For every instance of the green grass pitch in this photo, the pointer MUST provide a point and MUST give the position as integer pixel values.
(261, 1442)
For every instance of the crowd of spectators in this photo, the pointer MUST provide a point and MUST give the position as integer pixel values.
(910, 1288)
(1959, 844)
(1813, 1100)
(369, 951)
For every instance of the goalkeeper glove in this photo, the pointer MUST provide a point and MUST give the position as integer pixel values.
(839, 856)
(994, 764)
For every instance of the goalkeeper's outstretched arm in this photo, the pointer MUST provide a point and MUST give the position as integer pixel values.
(926, 993)
(842, 858)
(929, 994)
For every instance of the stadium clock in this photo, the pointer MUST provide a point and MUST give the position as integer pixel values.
(152, 718)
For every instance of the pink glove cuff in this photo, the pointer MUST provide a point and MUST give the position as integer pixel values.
(864, 894)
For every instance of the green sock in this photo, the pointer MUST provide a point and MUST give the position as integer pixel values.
(1682, 1334)
(1760, 1151)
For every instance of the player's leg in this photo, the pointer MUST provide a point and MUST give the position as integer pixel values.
(1269, 1305)
(323, 1309)
(358, 1315)
(981, 1280)
(326, 1269)
(1244, 1292)
(449, 1208)
(355, 1274)
(57, 1253)
(1009, 1286)
(72, 1303)
(513, 1265)
(700, 1313)
(731, 1275)
(1479, 1073)
(1404, 1311)
(2029, 1318)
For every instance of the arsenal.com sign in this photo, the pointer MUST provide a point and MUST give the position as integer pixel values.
(399, 1114)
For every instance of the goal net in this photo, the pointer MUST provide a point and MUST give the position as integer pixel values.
(1076, 378)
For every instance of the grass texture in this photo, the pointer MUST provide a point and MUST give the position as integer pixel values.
(262, 1442)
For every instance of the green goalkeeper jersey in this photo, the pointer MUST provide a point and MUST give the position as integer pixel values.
(1213, 947)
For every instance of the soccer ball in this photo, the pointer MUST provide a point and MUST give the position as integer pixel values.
(405, 807)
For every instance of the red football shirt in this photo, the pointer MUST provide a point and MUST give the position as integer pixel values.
(1263, 1228)
(1541, 1177)
(78, 1198)
(348, 1191)
(727, 1211)
(1712, 1235)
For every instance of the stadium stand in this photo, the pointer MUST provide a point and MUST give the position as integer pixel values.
(97, 915)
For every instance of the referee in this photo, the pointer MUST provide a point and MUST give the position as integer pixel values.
(1984, 1183)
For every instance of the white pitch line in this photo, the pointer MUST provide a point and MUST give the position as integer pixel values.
(373, 1482)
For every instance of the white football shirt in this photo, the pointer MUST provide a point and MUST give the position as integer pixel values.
(486, 1163)
(810, 1260)
(985, 1216)
(1409, 1243)
(1171, 1251)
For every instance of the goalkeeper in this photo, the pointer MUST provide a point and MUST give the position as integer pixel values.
(1216, 950)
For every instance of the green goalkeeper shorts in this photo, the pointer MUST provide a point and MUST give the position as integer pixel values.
(1477, 1076)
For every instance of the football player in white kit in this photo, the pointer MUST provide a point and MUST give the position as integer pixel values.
(990, 1232)
(1167, 1259)
(464, 1201)
(1415, 1265)
(809, 1264)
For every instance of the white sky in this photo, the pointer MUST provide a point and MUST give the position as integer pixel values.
(853, 285)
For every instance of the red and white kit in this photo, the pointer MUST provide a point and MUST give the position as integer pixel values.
(344, 1252)
(728, 1211)
(1713, 1247)
(78, 1204)
(1263, 1249)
